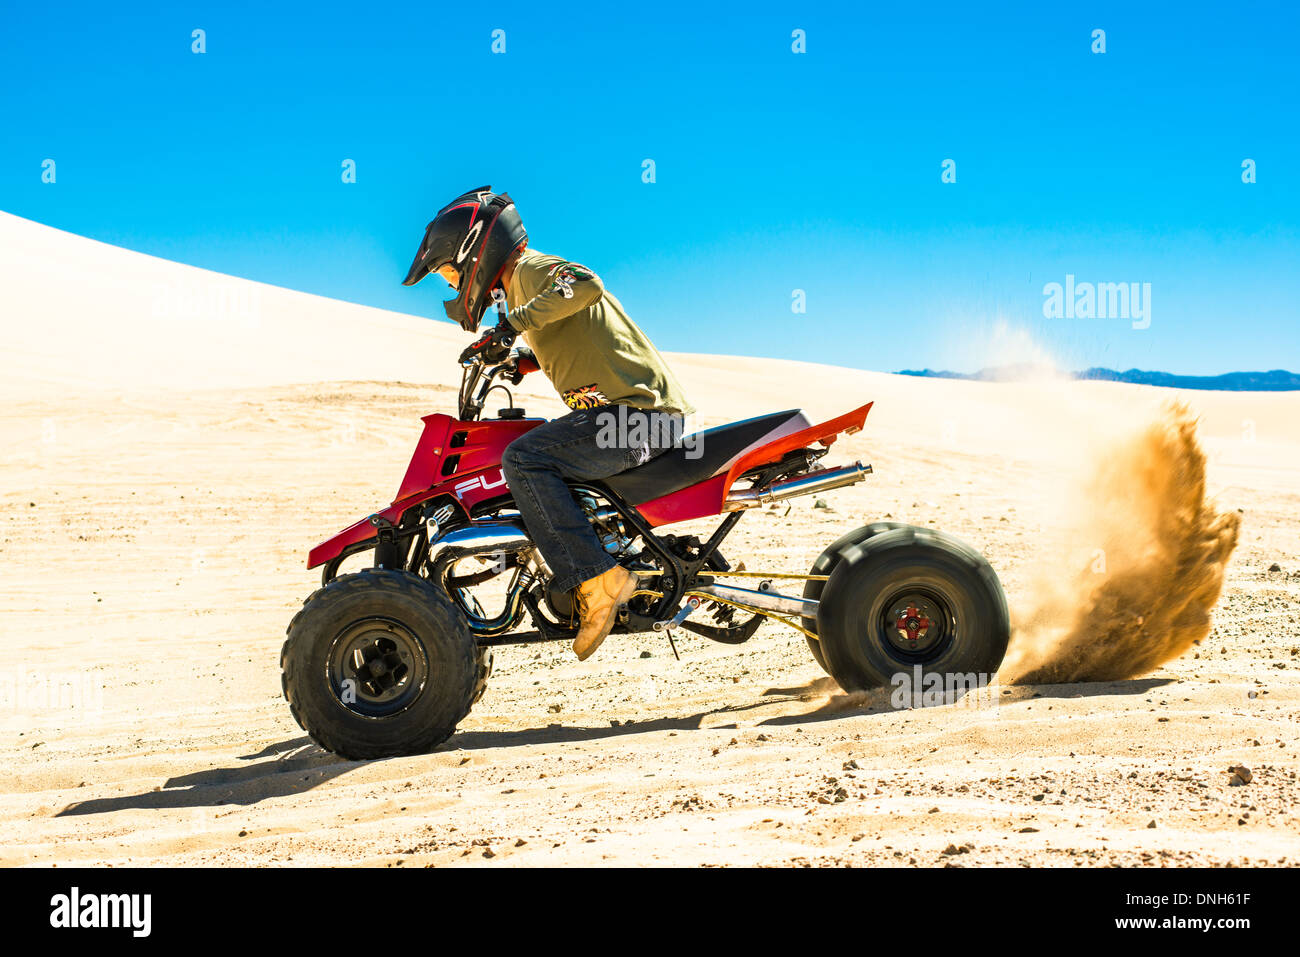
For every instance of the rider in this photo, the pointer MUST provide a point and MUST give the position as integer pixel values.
(597, 359)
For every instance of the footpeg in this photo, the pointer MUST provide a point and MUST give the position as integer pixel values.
(668, 624)
(691, 605)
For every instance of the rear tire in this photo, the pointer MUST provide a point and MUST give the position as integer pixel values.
(380, 663)
(825, 564)
(908, 598)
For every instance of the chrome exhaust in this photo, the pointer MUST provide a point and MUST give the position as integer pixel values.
(493, 541)
(502, 543)
(498, 535)
(821, 481)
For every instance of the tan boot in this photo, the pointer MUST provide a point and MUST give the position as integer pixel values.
(598, 601)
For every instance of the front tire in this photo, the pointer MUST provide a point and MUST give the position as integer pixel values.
(379, 664)
(909, 598)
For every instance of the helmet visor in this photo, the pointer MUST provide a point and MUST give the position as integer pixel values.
(426, 257)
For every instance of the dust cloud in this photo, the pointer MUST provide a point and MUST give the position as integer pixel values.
(1142, 590)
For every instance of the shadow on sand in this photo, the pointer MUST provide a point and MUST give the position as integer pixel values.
(299, 765)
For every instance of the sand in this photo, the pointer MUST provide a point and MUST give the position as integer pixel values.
(175, 441)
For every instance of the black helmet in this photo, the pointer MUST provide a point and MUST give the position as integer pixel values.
(476, 233)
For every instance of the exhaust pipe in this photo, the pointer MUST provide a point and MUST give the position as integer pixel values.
(488, 539)
(501, 542)
(821, 481)
(498, 535)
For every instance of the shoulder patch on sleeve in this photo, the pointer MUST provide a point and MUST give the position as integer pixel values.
(564, 275)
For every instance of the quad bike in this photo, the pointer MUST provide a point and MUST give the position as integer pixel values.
(389, 660)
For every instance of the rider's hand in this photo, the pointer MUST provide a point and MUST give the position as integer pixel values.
(493, 346)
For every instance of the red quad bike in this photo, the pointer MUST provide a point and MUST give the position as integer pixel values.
(389, 660)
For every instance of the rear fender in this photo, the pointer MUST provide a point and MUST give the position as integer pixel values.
(706, 498)
(825, 433)
(695, 501)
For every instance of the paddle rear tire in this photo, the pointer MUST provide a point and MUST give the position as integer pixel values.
(909, 598)
(824, 565)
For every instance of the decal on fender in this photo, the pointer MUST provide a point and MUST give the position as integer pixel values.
(479, 481)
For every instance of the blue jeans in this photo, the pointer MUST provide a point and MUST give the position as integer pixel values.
(585, 445)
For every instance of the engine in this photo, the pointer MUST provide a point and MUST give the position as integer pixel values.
(612, 533)
(607, 524)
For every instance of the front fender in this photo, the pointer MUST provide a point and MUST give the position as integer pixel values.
(355, 533)
(363, 531)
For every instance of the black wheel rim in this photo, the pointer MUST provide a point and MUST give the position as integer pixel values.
(377, 668)
(916, 625)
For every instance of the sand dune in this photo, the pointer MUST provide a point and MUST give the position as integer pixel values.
(176, 439)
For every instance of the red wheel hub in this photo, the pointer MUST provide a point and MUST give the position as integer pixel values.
(912, 624)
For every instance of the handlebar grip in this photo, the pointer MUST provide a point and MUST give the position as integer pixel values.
(494, 345)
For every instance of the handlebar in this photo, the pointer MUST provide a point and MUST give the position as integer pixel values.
(516, 364)
(479, 378)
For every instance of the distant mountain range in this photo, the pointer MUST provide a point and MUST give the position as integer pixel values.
(1276, 380)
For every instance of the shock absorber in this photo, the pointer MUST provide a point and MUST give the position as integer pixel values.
(386, 552)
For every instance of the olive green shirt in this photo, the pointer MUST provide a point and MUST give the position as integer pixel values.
(585, 343)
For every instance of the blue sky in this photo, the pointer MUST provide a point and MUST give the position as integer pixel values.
(775, 171)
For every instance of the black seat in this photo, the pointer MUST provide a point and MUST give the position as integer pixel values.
(702, 455)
